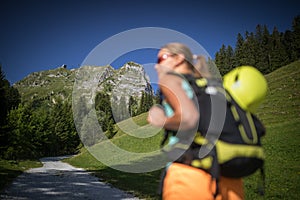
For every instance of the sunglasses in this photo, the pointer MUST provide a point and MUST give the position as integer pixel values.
(163, 57)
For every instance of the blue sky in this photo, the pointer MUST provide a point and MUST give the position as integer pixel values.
(38, 35)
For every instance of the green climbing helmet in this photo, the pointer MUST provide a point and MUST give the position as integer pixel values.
(247, 86)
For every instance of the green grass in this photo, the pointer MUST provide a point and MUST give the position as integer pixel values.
(144, 185)
(282, 103)
(42, 85)
(11, 169)
(282, 163)
(281, 116)
(136, 135)
(280, 113)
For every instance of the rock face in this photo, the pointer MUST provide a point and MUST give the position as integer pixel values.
(86, 81)
(131, 80)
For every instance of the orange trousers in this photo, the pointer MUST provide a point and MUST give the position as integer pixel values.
(183, 182)
(231, 189)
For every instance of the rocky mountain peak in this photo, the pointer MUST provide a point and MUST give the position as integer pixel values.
(86, 81)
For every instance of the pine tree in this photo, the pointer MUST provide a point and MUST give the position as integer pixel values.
(157, 97)
(296, 36)
(251, 47)
(21, 141)
(239, 54)
(263, 50)
(261, 47)
(146, 102)
(3, 113)
(267, 48)
(70, 139)
(132, 106)
(220, 59)
(142, 104)
(104, 110)
(9, 99)
(43, 135)
(56, 127)
(229, 59)
(149, 101)
(278, 54)
(290, 46)
(110, 133)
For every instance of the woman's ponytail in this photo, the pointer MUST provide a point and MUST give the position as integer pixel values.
(200, 67)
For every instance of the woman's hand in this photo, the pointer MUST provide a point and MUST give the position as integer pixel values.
(185, 113)
(156, 116)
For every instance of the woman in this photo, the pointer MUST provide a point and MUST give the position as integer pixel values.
(180, 114)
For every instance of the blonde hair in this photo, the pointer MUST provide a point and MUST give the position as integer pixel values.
(199, 67)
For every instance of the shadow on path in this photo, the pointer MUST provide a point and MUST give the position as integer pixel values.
(58, 180)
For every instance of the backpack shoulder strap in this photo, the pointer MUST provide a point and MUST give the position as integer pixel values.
(248, 124)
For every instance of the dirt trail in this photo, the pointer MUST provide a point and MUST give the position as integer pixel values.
(59, 180)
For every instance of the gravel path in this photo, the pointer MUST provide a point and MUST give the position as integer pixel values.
(59, 180)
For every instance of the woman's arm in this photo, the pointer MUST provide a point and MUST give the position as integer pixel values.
(185, 115)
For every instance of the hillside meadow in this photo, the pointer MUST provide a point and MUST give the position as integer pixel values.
(279, 112)
(280, 115)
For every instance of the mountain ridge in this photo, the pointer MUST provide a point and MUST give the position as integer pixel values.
(60, 82)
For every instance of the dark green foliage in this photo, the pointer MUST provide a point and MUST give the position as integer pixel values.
(157, 97)
(110, 133)
(220, 59)
(44, 137)
(21, 140)
(44, 123)
(238, 53)
(145, 103)
(62, 126)
(132, 106)
(263, 50)
(111, 111)
(104, 110)
(34, 129)
(296, 37)
(9, 99)
(280, 115)
(224, 59)
(36, 133)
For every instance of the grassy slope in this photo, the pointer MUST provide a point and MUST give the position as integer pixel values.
(144, 185)
(46, 83)
(280, 114)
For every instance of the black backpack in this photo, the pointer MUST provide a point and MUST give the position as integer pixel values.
(228, 141)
